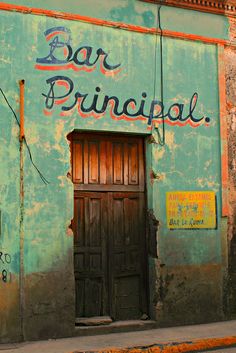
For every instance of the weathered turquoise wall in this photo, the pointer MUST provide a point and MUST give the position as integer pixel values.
(189, 160)
(140, 14)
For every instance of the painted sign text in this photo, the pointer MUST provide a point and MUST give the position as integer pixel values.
(5, 259)
(64, 92)
(191, 209)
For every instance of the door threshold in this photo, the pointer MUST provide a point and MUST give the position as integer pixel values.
(115, 327)
(93, 321)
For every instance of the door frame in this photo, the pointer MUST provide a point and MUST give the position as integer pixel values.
(145, 142)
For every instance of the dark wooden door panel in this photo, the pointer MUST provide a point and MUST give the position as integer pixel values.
(89, 297)
(127, 255)
(127, 302)
(90, 253)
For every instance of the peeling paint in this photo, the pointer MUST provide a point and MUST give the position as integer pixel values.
(35, 208)
(208, 182)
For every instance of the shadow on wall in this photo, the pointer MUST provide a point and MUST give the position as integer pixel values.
(50, 302)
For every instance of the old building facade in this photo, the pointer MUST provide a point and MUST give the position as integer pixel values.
(118, 169)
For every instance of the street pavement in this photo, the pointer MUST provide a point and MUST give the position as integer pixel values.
(222, 332)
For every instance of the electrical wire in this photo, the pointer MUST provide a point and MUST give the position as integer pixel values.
(45, 181)
(161, 139)
(13, 112)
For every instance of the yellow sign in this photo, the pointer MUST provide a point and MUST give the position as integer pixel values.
(190, 209)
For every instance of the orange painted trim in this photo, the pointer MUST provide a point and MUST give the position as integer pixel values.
(22, 103)
(99, 22)
(223, 131)
(194, 37)
(194, 346)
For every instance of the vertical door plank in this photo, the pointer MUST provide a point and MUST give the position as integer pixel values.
(118, 163)
(102, 165)
(93, 157)
(95, 221)
(78, 164)
(126, 164)
(141, 166)
(79, 221)
(118, 222)
(86, 158)
(133, 164)
(109, 163)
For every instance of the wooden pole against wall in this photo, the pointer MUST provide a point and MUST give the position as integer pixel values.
(21, 226)
(22, 103)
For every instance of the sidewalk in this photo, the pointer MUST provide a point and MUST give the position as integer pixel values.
(162, 340)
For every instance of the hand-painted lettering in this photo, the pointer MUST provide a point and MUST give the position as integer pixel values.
(4, 276)
(130, 109)
(62, 56)
(5, 259)
(64, 92)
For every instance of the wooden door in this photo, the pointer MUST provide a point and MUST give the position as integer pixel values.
(90, 253)
(109, 226)
(127, 245)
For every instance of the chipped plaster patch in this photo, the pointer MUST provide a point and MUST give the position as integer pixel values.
(69, 232)
(36, 241)
(162, 176)
(233, 164)
(60, 149)
(36, 207)
(62, 180)
(170, 140)
(5, 60)
(32, 139)
(158, 154)
(59, 129)
(32, 132)
(207, 164)
(61, 135)
(47, 147)
(209, 183)
(233, 126)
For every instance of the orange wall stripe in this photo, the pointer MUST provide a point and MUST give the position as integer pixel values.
(99, 22)
(223, 130)
(194, 37)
